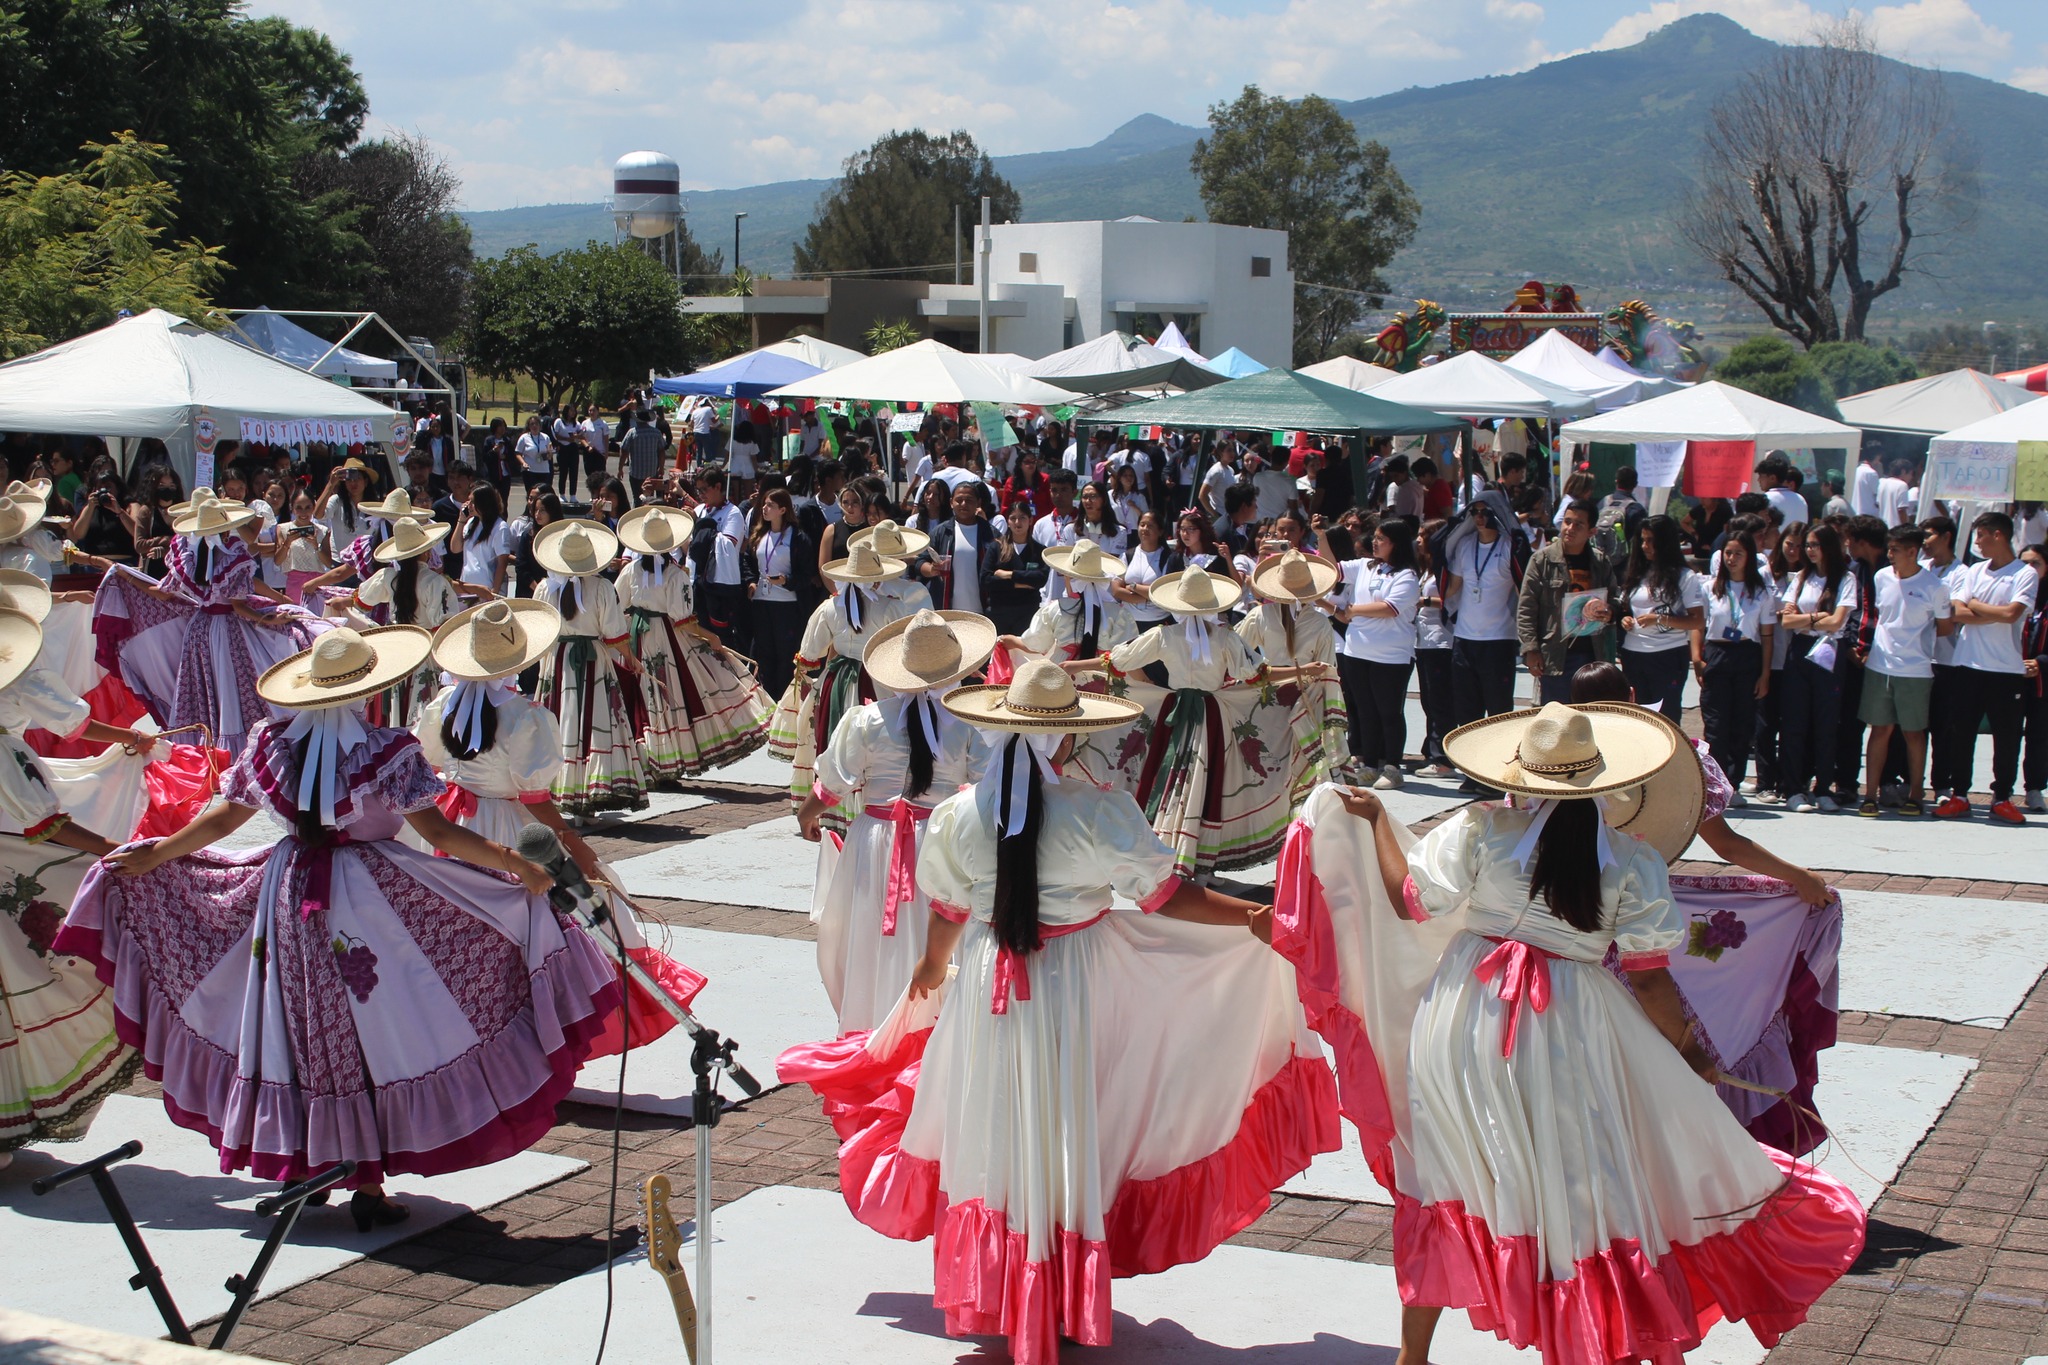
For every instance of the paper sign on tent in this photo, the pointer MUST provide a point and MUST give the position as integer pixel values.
(2030, 472)
(1970, 471)
(1717, 469)
(1658, 462)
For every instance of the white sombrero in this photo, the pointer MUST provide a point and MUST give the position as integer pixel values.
(215, 518)
(1295, 578)
(20, 641)
(1665, 811)
(575, 546)
(863, 565)
(930, 649)
(24, 593)
(496, 639)
(19, 515)
(1085, 560)
(1040, 699)
(1194, 591)
(410, 538)
(344, 666)
(887, 538)
(1559, 750)
(395, 506)
(656, 530)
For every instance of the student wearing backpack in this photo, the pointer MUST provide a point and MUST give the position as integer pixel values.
(1619, 517)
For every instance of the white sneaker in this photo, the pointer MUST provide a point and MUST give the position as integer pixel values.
(1390, 779)
(1736, 801)
(1749, 785)
(1826, 805)
(1438, 770)
(2035, 801)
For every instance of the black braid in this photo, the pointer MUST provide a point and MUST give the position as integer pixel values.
(1014, 914)
(920, 754)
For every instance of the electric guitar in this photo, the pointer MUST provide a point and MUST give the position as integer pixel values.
(664, 1254)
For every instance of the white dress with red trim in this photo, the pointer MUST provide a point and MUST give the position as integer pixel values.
(69, 651)
(1320, 720)
(579, 683)
(830, 679)
(59, 1055)
(692, 709)
(345, 997)
(872, 916)
(1557, 1169)
(494, 791)
(1120, 1101)
(435, 600)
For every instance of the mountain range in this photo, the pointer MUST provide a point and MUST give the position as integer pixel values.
(1571, 171)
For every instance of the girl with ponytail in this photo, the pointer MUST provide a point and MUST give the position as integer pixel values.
(412, 593)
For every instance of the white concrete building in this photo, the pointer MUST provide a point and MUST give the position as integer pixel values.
(1227, 286)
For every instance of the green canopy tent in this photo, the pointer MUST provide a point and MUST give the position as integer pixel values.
(1284, 400)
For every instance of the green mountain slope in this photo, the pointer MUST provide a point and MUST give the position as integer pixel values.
(1571, 171)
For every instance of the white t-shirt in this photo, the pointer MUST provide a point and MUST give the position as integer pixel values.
(1807, 590)
(1142, 567)
(772, 560)
(2029, 530)
(966, 580)
(1380, 639)
(1746, 610)
(1996, 649)
(1952, 578)
(1903, 646)
(480, 553)
(535, 452)
(1863, 491)
(1790, 505)
(703, 417)
(1486, 589)
(1891, 502)
(1275, 487)
(1692, 592)
(1219, 477)
(596, 433)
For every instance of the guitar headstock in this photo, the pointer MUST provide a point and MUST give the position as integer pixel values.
(664, 1238)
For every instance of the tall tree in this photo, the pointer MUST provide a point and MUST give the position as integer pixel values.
(78, 247)
(891, 210)
(398, 196)
(1824, 176)
(1302, 167)
(575, 319)
(1768, 365)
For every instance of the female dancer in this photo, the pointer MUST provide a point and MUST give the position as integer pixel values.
(695, 706)
(411, 595)
(1106, 1092)
(1086, 620)
(901, 756)
(340, 996)
(1556, 1171)
(500, 752)
(579, 682)
(1290, 629)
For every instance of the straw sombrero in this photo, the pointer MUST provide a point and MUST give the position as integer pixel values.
(1560, 750)
(1040, 699)
(930, 649)
(409, 538)
(863, 565)
(23, 592)
(20, 641)
(496, 639)
(1194, 591)
(356, 466)
(20, 515)
(200, 496)
(656, 530)
(1663, 812)
(38, 489)
(395, 506)
(575, 546)
(887, 538)
(214, 518)
(344, 666)
(1295, 577)
(1084, 560)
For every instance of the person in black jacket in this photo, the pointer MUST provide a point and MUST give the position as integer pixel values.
(1016, 584)
(955, 581)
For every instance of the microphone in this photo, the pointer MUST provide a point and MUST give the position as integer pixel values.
(572, 890)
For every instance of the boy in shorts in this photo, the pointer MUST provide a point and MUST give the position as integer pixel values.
(1898, 679)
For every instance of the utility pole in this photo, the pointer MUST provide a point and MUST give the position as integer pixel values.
(736, 242)
(981, 262)
(956, 244)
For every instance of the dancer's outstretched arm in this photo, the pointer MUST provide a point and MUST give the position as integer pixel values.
(220, 820)
(1746, 852)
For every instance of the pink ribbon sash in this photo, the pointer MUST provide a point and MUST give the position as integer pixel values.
(1013, 970)
(458, 803)
(902, 886)
(1524, 972)
(319, 892)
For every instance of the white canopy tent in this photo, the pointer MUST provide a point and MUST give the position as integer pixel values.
(1174, 340)
(1475, 385)
(1556, 359)
(1714, 411)
(925, 372)
(1349, 373)
(1933, 405)
(158, 375)
(817, 351)
(1980, 462)
(277, 335)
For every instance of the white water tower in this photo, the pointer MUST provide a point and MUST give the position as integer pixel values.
(647, 195)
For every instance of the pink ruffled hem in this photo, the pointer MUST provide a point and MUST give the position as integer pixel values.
(988, 1286)
(492, 1102)
(1618, 1305)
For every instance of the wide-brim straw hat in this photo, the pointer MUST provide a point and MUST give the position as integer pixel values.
(353, 465)
(1561, 751)
(410, 538)
(1085, 560)
(656, 530)
(496, 639)
(344, 666)
(575, 546)
(20, 514)
(1194, 591)
(20, 641)
(929, 649)
(1040, 699)
(395, 506)
(200, 496)
(891, 540)
(863, 565)
(22, 592)
(1663, 812)
(215, 518)
(1295, 577)
(38, 489)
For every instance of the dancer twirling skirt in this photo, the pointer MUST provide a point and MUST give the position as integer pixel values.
(1289, 630)
(697, 706)
(1105, 1092)
(340, 996)
(601, 765)
(1558, 1169)
(500, 752)
(412, 594)
(890, 762)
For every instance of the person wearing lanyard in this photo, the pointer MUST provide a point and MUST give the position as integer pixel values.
(1729, 663)
(721, 569)
(1479, 578)
(1663, 602)
(780, 547)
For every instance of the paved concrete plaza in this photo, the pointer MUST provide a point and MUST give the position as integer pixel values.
(1938, 1088)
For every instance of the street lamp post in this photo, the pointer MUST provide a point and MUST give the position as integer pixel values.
(736, 242)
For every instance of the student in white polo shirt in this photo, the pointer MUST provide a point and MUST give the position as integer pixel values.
(1993, 604)
(1898, 677)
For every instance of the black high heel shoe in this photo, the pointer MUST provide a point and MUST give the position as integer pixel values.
(375, 1210)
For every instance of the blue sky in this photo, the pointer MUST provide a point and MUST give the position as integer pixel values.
(532, 102)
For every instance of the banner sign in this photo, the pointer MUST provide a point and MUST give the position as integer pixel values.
(1658, 463)
(348, 431)
(1718, 469)
(1501, 335)
(1969, 471)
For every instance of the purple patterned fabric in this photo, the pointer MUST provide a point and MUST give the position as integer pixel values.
(1719, 790)
(383, 779)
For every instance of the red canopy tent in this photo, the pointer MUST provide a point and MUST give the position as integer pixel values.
(2034, 380)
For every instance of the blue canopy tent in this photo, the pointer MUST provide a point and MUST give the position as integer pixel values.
(743, 376)
(1235, 364)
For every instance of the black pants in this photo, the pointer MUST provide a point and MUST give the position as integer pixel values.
(1764, 746)
(1433, 680)
(1658, 676)
(1996, 695)
(1728, 702)
(1809, 716)
(778, 629)
(568, 469)
(1558, 686)
(2036, 766)
(1482, 679)
(722, 609)
(1376, 695)
(1943, 708)
(1849, 737)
